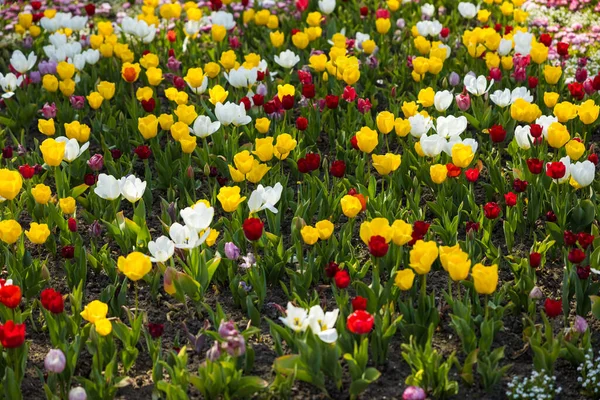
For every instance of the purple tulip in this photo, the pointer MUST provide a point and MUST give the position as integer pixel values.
(580, 325)
(536, 293)
(227, 329)
(454, 79)
(49, 110)
(77, 102)
(232, 251)
(35, 77)
(173, 64)
(96, 162)
(413, 393)
(55, 361)
(47, 67)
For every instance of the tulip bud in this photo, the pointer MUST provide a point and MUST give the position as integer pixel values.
(55, 361)
(77, 393)
(190, 172)
(206, 170)
(171, 210)
(454, 79)
(96, 162)
(445, 83)
(45, 273)
(536, 293)
(463, 101)
(72, 224)
(413, 393)
(96, 229)
(580, 325)
(232, 252)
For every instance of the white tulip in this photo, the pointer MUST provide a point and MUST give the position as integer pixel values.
(91, 56)
(107, 187)
(566, 160)
(523, 42)
(242, 77)
(450, 126)
(442, 100)
(477, 85)
(132, 188)
(78, 61)
(204, 127)
(322, 323)
(501, 98)
(505, 47)
(222, 18)
(583, 173)
(198, 217)
(72, 149)
(231, 113)
(185, 237)
(10, 83)
(21, 63)
(419, 125)
(467, 10)
(296, 318)
(523, 137)
(265, 198)
(521, 93)
(287, 59)
(162, 249)
(57, 39)
(433, 145)
(427, 10)
(326, 6)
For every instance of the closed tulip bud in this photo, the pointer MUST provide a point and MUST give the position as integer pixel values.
(55, 361)
(77, 393)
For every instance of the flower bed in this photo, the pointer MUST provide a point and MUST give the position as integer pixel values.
(299, 199)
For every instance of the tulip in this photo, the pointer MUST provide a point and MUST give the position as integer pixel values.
(72, 149)
(232, 252)
(161, 250)
(485, 278)
(135, 266)
(132, 188)
(55, 361)
(204, 126)
(107, 187)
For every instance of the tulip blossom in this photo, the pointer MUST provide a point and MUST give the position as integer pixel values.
(296, 318)
(132, 188)
(477, 86)
(107, 187)
(265, 198)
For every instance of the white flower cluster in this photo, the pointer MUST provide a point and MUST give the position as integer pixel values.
(538, 386)
(590, 375)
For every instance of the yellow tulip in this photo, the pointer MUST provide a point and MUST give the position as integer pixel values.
(95, 311)
(53, 152)
(10, 231)
(325, 229)
(230, 198)
(310, 235)
(135, 266)
(351, 206)
(367, 139)
(422, 256)
(41, 193)
(387, 163)
(438, 173)
(485, 278)
(404, 279)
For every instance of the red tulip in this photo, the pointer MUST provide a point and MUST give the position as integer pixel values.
(472, 174)
(364, 11)
(535, 259)
(532, 81)
(90, 9)
(519, 186)
(67, 252)
(143, 152)
(332, 101)
(12, 335)
(72, 224)
(52, 301)
(308, 90)
(354, 142)
(338, 168)
(585, 239)
(491, 210)
(155, 330)
(349, 94)
(570, 238)
(253, 228)
(576, 256)
(331, 269)
(583, 272)
(536, 130)
(301, 123)
(562, 49)
(359, 303)
(511, 199)
(27, 171)
(444, 32)
(553, 308)
(360, 322)
(453, 170)
(577, 91)
(246, 102)
(287, 102)
(555, 170)
(378, 246)
(497, 133)
(593, 158)
(535, 165)
(342, 279)
(546, 39)
(10, 295)
(36, 4)
(258, 100)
